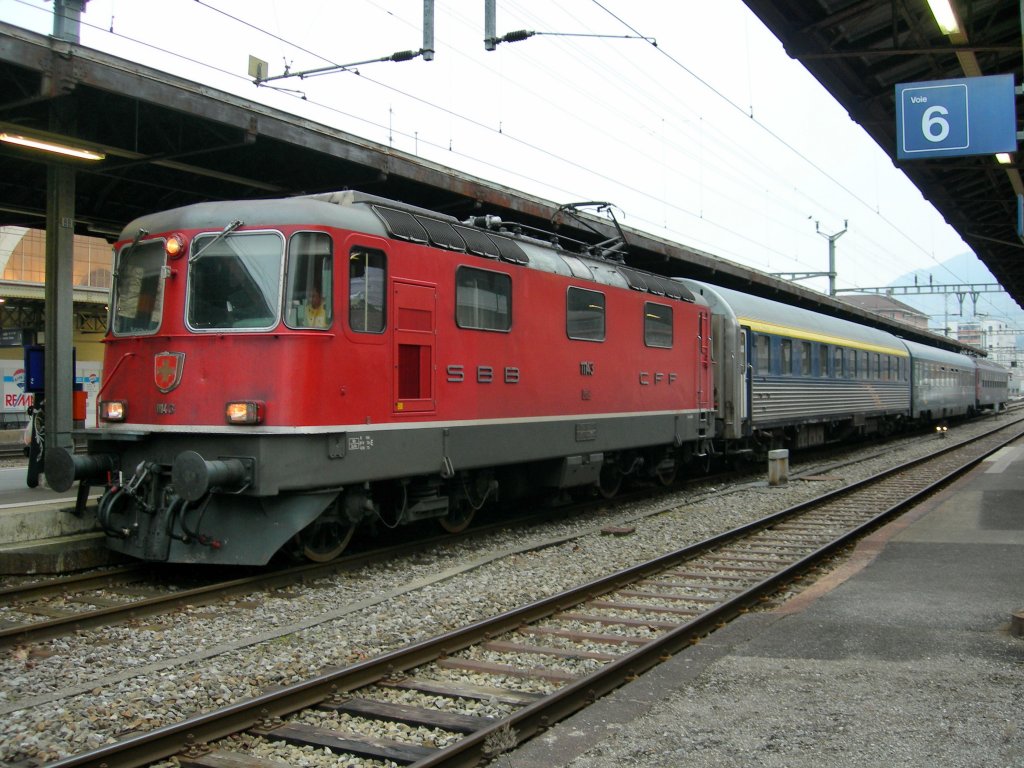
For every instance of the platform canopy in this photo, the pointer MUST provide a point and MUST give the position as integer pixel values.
(860, 50)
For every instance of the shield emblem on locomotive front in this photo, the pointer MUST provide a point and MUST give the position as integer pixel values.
(167, 368)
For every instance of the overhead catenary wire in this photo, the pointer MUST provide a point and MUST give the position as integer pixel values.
(728, 162)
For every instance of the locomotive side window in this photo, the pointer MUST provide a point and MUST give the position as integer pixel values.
(584, 315)
(235, 281)
(658, 325)
(138, 288)
(310, 297)
(483, 299)
(367, 275)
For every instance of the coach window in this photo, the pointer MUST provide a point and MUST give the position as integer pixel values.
(483, 299)
(786, 348)
(309, 302)
(823, 360)
(877, 365)
(851, 364)
(367, 275)
(658, 325)
(762, 354)
(584, 315)
(837, 362)
(805, 358)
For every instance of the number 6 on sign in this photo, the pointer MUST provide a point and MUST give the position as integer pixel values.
(949, 118)
(935, 128)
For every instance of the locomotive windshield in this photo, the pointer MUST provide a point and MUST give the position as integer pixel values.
(138, 288)
(236, 281)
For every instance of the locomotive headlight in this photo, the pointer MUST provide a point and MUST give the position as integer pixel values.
(175, 246)
(244, 412)
(113, 410)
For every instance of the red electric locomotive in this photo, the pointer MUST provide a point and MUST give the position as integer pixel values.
(277, 372)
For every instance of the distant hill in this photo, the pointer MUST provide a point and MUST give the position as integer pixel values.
(963, 269)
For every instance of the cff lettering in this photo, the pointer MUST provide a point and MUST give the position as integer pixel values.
(646, 379)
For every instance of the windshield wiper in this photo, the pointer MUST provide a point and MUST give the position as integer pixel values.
(138, 236)
(220, 236)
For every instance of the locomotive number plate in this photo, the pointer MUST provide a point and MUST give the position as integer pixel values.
(585, 433)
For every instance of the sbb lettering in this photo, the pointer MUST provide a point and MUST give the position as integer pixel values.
(485, 374)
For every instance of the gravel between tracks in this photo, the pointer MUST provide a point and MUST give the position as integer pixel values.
(70, 695)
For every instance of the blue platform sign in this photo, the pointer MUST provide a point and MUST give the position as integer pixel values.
(951, 118)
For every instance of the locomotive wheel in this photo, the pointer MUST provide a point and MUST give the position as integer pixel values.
(324, 539)
(668, 476)
(610, 481)
(458, 519)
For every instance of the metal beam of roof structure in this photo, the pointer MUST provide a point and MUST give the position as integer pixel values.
(861, 49)
(930, 288)
(169, 142)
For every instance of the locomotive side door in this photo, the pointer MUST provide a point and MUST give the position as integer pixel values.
(413, 382)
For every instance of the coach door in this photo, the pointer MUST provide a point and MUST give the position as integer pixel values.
(745, 370)
(413, 305)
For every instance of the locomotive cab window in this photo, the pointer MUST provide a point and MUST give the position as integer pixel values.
(658, 325)
(585, 315)
(138, 289)
(367, 276)
(310, 298)
(235, 280)
(483, 299)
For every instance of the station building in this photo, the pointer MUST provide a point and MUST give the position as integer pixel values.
(22, 282)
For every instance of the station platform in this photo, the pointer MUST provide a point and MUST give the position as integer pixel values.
(39, 532)
(909, 653)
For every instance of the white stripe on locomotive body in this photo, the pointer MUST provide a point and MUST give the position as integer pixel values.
(112, 431)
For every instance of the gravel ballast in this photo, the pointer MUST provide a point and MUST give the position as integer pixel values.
(78, 693)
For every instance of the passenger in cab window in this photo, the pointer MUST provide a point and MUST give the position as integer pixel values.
(313, 313)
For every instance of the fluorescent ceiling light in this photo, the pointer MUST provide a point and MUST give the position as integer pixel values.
(50, 146)
(945, 16)
(1004, 158)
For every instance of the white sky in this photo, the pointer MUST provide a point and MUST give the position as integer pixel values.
(715, 138)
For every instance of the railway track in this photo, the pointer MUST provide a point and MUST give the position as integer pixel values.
(51, 608)
(546, 660)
